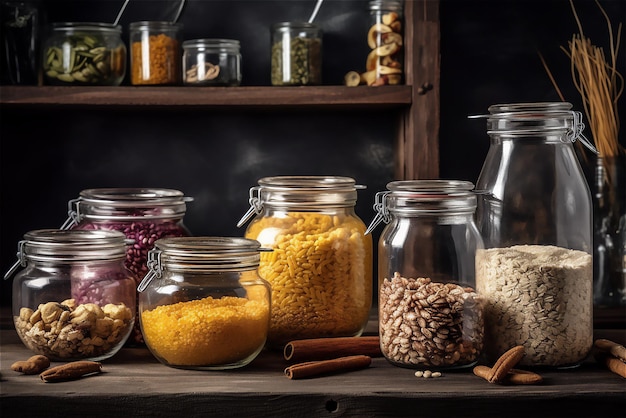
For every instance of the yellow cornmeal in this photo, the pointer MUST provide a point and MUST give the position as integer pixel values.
(206, 332)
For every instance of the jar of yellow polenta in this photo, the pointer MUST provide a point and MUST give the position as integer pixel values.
(320, 269)
(202, 304)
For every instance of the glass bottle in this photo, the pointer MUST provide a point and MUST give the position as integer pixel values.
(385, 38)
(321, 267)
(143, 215)
(296, 58)
(211, 62)
(74, 298)
(203, 305)
(430, 314)
(75, 53)
(20, 34)
(155, 53)
(535, 216)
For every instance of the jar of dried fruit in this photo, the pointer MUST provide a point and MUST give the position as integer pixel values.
(385, 38)
(321, 266)
(203, 305)
(296, 50)
(430, 314)
(143, 215)
(155, 53)
(535, 215)
(84, 54)
(211, 62)
(74, 299)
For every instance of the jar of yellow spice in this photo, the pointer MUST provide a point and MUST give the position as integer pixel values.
(202, 304)
(155, 53)
(321, 267)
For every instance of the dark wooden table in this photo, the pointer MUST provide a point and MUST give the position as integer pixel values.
(134, 384)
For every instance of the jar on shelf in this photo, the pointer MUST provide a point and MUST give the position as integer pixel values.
(385, 38)
(155, 53)
(202, 304)
(535, 216)
(211, 62)
(296, 54)
(82, 54)
(430, 313)
(143, 215)
(320, 268)
(74, 298)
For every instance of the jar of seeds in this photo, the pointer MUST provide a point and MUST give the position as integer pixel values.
(430, 315)
(535, 215)
(143, 215)
(296, 55)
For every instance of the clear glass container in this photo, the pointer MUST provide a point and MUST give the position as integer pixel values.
(321, 267)
(535, 217)
(76, 54)
(430, 314)
(155, 53)
(143, 215)
(20, 27)
(385, 38)
(296, 58)
(74, 298)
(202, 304)
(211, 62)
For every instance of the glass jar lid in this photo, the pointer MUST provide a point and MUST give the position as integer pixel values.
(157, 25)
(301, 193)
(222, 45)
(424, 198)
(72, 27)
(126, 204)
(207, 254)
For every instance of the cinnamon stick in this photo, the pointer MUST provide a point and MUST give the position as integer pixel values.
(332, 347)
(326, 367)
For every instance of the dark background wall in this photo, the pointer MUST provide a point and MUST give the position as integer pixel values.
(489, 55)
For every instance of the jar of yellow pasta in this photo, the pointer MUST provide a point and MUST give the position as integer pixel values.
(202, 304)
(320, 269)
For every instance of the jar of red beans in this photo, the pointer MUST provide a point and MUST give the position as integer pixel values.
(143, 215)
(74, 299)
(202, 304)
(320, 268)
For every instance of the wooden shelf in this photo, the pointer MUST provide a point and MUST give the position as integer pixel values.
(238, 97)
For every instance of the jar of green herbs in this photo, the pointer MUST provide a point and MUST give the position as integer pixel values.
(296, 54)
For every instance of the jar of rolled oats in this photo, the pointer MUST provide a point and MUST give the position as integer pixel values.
(143, 215)
(202, 304)
(320, 268)
(430, 315)
(74, 299)
(535, 215)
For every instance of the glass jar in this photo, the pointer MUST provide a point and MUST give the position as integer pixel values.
(535, 217)
(84, 54)
(430, 315)
(74, 299)
(203, 305)
(20, 33)
(385, 38)
(143, 215)
(321, 267)
(155, 53)
(211, 62)
(296, 54)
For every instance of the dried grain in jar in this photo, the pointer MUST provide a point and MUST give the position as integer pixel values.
(155, 53)
(320, 268)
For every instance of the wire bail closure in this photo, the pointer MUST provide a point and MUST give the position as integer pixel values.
(382, 211)
(155, 269)
(577, 132)
(256, 206)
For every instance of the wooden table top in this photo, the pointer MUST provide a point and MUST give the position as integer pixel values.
(134, 383)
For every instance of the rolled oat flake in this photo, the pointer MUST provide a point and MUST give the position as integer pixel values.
(534, 213)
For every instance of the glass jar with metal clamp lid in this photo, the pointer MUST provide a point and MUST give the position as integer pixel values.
(535, 216)
(74, 298)
(202, 304)
(430, 315)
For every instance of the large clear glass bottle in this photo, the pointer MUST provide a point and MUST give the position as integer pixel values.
(430, 315)
(535, 216)
(143, 215)
(385, 38)
(321, 267)
(203, 305)
(74, 298)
